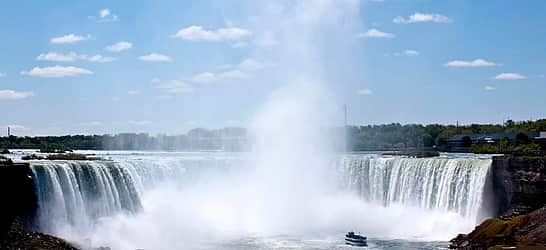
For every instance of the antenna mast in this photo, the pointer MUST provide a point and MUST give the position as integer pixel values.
(345, 115)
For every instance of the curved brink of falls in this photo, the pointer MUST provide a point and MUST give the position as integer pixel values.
(73, 196)
(443, 184)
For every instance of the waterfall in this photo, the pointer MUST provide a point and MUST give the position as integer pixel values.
(79, 192)
(445, 184)
(73, 196)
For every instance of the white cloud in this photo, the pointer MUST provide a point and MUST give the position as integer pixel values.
(375, 33)
(155, 57)
(239, 71)
(120, 46)
(90, 124)
(2, 74)
(140, 123)
(105, 15)
(475, 63)
(250, 64)
(55, 57)
(422, 18)
(364, 92)
(510, 76)
(489, 88)
(133, 92)
(239, 45)
(242, 70)
(175, 87)
(233, 74)
(410, 52)
(204, 77)
(8, 94)
(70, 57)
(98, 58)
(56, 71)
(70, 38)
(198, 33)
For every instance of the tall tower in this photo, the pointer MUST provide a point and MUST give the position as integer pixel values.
(345, 115)
(9, 131)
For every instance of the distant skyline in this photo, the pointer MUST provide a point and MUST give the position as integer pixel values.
(169, 66)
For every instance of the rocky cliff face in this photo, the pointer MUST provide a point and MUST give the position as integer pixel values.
(519, 199)
(519, 183)
(17, 195)
(18, 199)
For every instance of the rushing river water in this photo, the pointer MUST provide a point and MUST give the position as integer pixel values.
(224, 201)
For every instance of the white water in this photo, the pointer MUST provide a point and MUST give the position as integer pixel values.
(442, 184)
(178, 200)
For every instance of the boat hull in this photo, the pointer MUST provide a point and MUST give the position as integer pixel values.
(356, 242)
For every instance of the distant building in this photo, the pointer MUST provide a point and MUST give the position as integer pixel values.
(540, 140)
(462, 142)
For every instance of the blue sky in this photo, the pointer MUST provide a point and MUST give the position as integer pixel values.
(169, 66)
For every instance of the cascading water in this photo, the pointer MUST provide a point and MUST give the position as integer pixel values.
(433, 183)
(78, 200)
(74, 195)
(77, 193)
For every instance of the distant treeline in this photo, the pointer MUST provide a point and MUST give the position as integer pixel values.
(359, 138)
(410, 136)
(228, 139)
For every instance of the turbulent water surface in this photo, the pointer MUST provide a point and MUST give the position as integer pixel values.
(223, 201)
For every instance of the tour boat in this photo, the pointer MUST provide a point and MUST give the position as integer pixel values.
(356, 240)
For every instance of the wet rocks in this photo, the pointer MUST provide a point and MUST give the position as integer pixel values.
(521, 231)
(18, 237)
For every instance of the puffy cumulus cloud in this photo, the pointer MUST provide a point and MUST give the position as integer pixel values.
(365, 91)
(155, 57)
(198, 33)
(422, 18)
(375, 33)
(70, 38)
(233, 74)
(56, 72)
(510, 76)
(56, 57)
(173, 86)
(410, 52)
(239, 45)
(8, 94)
(204, 77)
(98, 58)
(475, 63)
(489, 88)
(70, 57)
(250, 64)
(105, 15)
(119, 46)
(242, 70)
